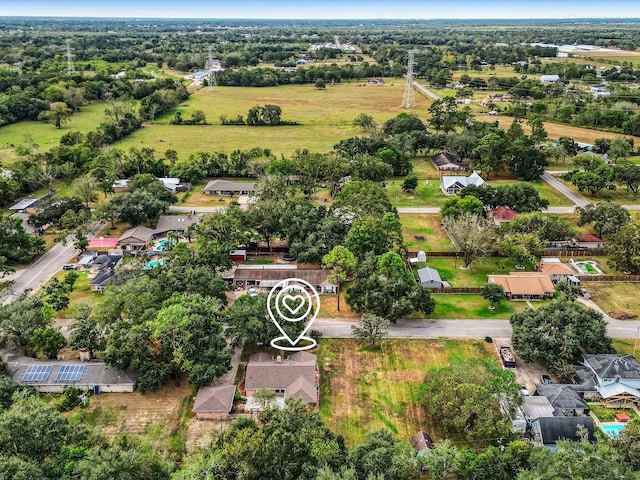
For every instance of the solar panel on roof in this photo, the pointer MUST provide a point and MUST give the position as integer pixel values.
(70, 373)
(36, 373)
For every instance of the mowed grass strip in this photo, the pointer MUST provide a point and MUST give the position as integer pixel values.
(476, 275)
(425, 226)
(465, 306)
(613, 296)
(364, 389)
(325, 116)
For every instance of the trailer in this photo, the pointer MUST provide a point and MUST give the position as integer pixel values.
(507, 357)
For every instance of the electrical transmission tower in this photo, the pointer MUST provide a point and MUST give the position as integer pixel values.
(70, 68)
(209, 65)
(408, 99)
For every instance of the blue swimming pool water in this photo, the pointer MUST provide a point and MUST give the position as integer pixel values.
(153, 264)
(163, 244)
(612, 431)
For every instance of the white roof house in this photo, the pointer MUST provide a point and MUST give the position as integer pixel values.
(549, 78)
(451, 185)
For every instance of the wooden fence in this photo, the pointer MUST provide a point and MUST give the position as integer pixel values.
(456, 290)
(563, 252)
(609, 278)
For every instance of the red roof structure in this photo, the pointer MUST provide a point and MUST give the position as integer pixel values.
(588, 237)
(504, 213)
(103, 242)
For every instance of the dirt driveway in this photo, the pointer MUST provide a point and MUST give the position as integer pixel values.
(527, 374)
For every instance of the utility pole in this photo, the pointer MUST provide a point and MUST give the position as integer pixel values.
(70, 68)
(408, 99)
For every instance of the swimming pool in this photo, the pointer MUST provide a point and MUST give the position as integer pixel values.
(164, 244)
(612, 430)
(153, 264)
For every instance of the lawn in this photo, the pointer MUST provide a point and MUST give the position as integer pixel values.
(423, 168)
(326, 117)
(81, 293)
(546, 191)
(427, 226)
(364, 389)
(605, 414)
(613, 296)
(428, 194)
(464, 306)
(476, 276)
(46, 135)
(626, 346)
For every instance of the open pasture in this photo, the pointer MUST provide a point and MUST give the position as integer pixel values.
(325, 116)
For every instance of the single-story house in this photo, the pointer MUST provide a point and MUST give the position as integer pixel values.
(228, 188)
(214, 403)
(27, 204)
(445, 162)
(121, 185)
(557, 272)
(429, 278)
(451, 185)
(103, 242)
(174, 223)
(294, 376)
(502, 215)
(547, 431)
(136, 238)
(421, 442)
(53, 376)
(549, 78)
(102, 271)
(525, 286)
(564, 400)
(590, 242)
(86, 258)
(536, 407)
(174, 185)
(269, 275)
(617, 379)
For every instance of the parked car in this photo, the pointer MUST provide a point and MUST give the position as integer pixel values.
(546, 379)
(252, 292)
(585, 294)
(525, 392)
(70, 266)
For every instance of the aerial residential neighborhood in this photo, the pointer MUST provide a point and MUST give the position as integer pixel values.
(239, 247)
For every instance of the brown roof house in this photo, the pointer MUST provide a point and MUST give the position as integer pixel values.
(213, 403)
(228, 188)
(590, 242)
(294, 376)
(175, 223)
(267, 276)
(557, 272)
(525, 285)
(136, 238)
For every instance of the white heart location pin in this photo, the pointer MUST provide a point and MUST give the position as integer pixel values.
(293, 294)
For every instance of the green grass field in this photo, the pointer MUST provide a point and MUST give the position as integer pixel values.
(612, 296)
(326, 117)
(428, 194)
(476, 276)
(363, 389)
(45, 134)
(427, 226)
(547, 192)
(464, 306)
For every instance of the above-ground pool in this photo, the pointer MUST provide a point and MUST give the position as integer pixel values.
(612, 430)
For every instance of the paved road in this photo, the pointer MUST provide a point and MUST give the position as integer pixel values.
(577, 199)
(42, 270)
(427, 328)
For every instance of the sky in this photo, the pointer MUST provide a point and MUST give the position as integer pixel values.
(325, 9)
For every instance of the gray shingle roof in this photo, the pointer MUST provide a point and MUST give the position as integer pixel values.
(613, 365)
(214, 399)
(140, 232)
(175, 223)
(428, 274)
(228, 186)
(561, 396)
(536, 407)
(564, 428)
(296, 375)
